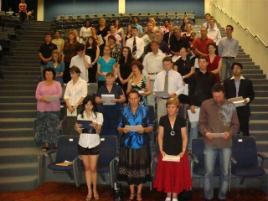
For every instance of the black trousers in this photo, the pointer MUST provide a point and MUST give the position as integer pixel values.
(243, 117)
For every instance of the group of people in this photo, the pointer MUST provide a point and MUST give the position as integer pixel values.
(167, 68)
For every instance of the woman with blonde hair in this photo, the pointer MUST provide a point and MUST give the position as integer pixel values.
(57, 64)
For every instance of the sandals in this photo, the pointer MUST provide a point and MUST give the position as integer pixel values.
(139, 197)
(96, 195)
(131, 197)
(89, 196)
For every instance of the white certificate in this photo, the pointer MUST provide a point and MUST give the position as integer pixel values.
(194, 117)
(217, 135)
(133, 128)
(186, 89)
(107, 99)
(52, 98)
(237, 101)
(162, 94)
(171, 158)
(72, 114)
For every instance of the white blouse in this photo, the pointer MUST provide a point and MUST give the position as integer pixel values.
(90, 140)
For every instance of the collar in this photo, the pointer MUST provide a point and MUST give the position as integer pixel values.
(241, 77)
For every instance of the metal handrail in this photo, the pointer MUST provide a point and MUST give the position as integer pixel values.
(255, 36)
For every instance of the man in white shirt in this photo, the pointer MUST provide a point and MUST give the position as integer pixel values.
(228, 49)
(213, 31)
(153, 64)
(168, 81)
(82, 61)
(136, 44)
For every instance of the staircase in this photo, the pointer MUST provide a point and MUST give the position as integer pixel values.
(19, 155)
(259, 107)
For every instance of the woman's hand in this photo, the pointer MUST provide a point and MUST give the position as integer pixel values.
(44, 99)
(181, 154)
(162, 153)
(125, 130)
(71, 109)
(140, 130)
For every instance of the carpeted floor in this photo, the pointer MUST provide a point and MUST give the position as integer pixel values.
(68, 192)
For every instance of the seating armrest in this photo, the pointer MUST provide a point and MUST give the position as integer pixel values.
(233, 160)
(48, 154)
(263, 157)
(193, 158)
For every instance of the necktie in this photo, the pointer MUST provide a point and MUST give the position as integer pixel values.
(166, 82)
(134, 48)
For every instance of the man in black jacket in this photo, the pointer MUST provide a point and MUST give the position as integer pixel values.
(237, 86)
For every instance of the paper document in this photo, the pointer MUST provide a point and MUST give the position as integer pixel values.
(162, 94)
(237, 101)
(171, 158)
(133, 128)
(194, 117)
(141, 92)
(186, 90)
(52, 98)
(217, 135)
(107, 99)
(72, 114)
(64, 163)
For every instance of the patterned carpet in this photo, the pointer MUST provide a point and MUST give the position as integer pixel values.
(68, 192)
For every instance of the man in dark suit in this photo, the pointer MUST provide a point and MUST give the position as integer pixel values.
(237, 86)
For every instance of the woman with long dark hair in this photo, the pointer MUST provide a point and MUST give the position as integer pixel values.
(89, 123)
(92, 50)
(123, 70)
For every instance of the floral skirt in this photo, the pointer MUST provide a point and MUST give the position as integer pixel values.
(47, 127)
(134, 165)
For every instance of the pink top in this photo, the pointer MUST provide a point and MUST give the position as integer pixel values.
(53, 90)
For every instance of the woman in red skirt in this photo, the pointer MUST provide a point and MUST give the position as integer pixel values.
(172, 177)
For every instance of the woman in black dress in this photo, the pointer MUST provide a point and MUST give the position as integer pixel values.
(93, 51)
(102, 29)
(124, 67)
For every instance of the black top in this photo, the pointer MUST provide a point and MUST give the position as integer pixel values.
(125, 68)
(46, 50)
(102, 32)
(116, 90)
(200, 85)
(172, 145)
(177, 44)
(92, 53)
(184, 66)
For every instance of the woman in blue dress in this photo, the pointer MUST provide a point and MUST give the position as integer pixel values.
(57, 64)
(134, 156)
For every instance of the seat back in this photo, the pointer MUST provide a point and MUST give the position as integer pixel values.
(67, 148)
(244, 151)
(108, 151)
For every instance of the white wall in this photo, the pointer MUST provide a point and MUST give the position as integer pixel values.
(247, 16)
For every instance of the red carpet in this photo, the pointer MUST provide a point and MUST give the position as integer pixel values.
(68, 192)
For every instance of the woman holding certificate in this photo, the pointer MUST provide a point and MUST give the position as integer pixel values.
(134, 155)
(173, 170)
(48, 94)
(89, 123)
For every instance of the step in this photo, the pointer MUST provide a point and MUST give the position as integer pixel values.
(20, 183)
(18, 169)
(263, 115)
(259, 135)
(17, 122)
(20, 80)
(254, 76)
(17, 142)
(7, 113)
(261, 93)
(262, 146)
(18, 87)
(18, 92)
(18, 106)
(258, 125)
(252, 71)
(260, 100)
(251, 67)
(259, 81)
(16, 132)
(19, 155)
(260, 87)
(258, 107)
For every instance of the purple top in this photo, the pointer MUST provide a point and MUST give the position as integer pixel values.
(53, 92)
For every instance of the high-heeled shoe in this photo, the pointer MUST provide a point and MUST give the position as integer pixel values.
(96, 195)
(131, 197)
(139, 197)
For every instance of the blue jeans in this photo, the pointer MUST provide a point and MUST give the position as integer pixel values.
(226, 68)
(193, 133)
(210, 159)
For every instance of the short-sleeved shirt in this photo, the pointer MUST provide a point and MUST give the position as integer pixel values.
(46, 50)
(202, 45)
(116, 90)
(90, 140)
(172, 144)
(105, 66)
(79, 62)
